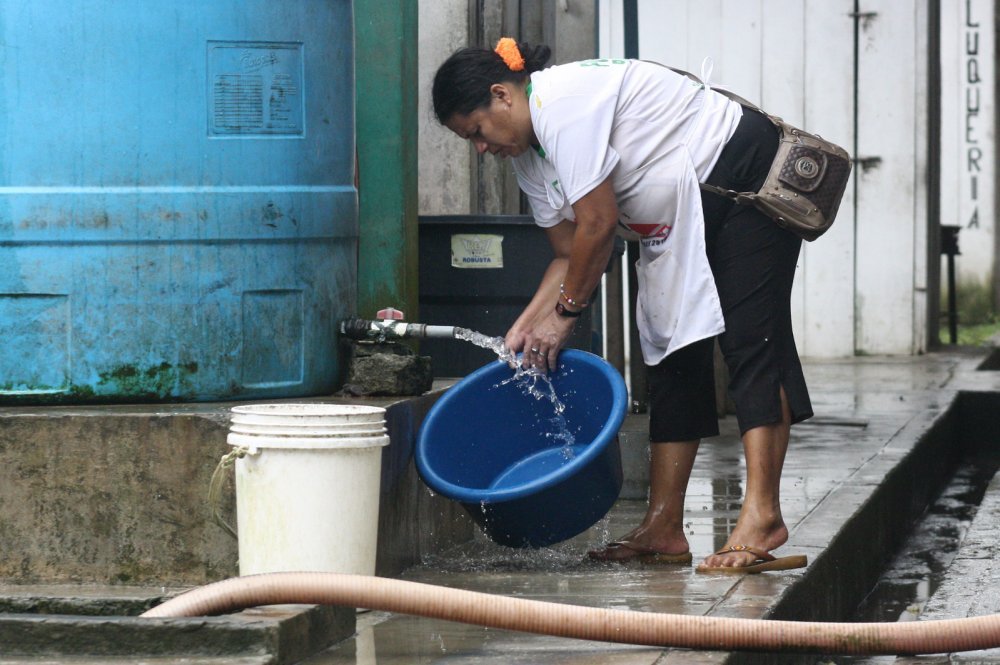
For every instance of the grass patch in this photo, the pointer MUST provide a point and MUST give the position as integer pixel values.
(978, 321)
(974, 334)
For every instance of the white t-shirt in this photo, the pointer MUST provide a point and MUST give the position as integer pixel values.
(657, 134)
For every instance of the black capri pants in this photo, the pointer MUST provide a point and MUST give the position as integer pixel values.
(753, 261)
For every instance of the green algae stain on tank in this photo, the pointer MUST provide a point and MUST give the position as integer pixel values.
(121, 384)
(156, 382)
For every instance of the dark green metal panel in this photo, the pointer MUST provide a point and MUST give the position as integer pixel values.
(386, 75)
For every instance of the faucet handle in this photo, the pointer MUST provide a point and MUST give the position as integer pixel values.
(390, 314)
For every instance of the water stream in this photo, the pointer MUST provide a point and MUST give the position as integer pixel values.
(531, 381)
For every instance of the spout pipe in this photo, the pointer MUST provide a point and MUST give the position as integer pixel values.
(590, 623)
(362, 329)
(435, 331)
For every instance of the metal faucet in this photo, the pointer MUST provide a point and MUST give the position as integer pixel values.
(390, 325)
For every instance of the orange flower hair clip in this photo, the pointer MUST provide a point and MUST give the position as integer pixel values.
(507, 49)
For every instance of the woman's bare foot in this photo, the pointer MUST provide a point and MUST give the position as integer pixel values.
(668, 541)
(649, 539)
(759, 532)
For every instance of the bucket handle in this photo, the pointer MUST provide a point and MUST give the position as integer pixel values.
(215, 486)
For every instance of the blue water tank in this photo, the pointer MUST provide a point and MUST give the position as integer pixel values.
(178, 212)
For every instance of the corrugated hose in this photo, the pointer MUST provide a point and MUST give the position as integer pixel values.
(588, 623)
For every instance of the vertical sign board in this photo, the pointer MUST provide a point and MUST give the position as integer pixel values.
(968, 137)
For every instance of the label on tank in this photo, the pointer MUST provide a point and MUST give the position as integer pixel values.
(476, 250)
(255, 89)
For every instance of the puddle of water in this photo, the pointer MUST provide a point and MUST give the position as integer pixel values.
(484, 556)
(489, 557)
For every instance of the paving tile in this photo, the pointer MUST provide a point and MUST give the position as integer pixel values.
(417, 641)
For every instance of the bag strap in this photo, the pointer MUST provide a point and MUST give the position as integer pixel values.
(745, 198)
(722, 91)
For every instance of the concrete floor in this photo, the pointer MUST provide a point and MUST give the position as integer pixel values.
(882, 437)
(871, 414)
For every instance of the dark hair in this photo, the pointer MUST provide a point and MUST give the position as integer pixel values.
(462, 83)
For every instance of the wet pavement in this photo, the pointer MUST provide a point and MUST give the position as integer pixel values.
(856, 477)
(871, 414)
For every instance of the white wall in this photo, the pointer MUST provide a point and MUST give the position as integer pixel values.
(861, 287)
(891, 215)
(445, 161)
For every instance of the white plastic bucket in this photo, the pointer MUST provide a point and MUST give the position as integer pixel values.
(308, 415)
(355, 430)
(307, 489)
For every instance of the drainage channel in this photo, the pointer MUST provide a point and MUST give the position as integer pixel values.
(923, 561)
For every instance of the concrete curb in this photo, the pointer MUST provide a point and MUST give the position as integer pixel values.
(877, 508)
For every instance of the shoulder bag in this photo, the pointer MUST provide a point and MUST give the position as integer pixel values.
(806, 182)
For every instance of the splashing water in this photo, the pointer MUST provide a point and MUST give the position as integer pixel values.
(494, 344)
(532, 381)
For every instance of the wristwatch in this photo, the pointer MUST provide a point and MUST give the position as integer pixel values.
(568, 313)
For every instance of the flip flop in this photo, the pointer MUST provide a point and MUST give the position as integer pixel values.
(625, 551)
(764, 562)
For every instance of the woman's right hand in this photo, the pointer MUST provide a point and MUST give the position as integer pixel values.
(515, 341)
(522, 334)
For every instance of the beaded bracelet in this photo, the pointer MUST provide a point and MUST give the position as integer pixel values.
(570, 301)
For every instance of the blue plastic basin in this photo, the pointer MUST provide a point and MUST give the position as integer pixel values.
(489, 445)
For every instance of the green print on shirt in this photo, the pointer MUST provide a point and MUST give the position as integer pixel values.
(602, 62)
